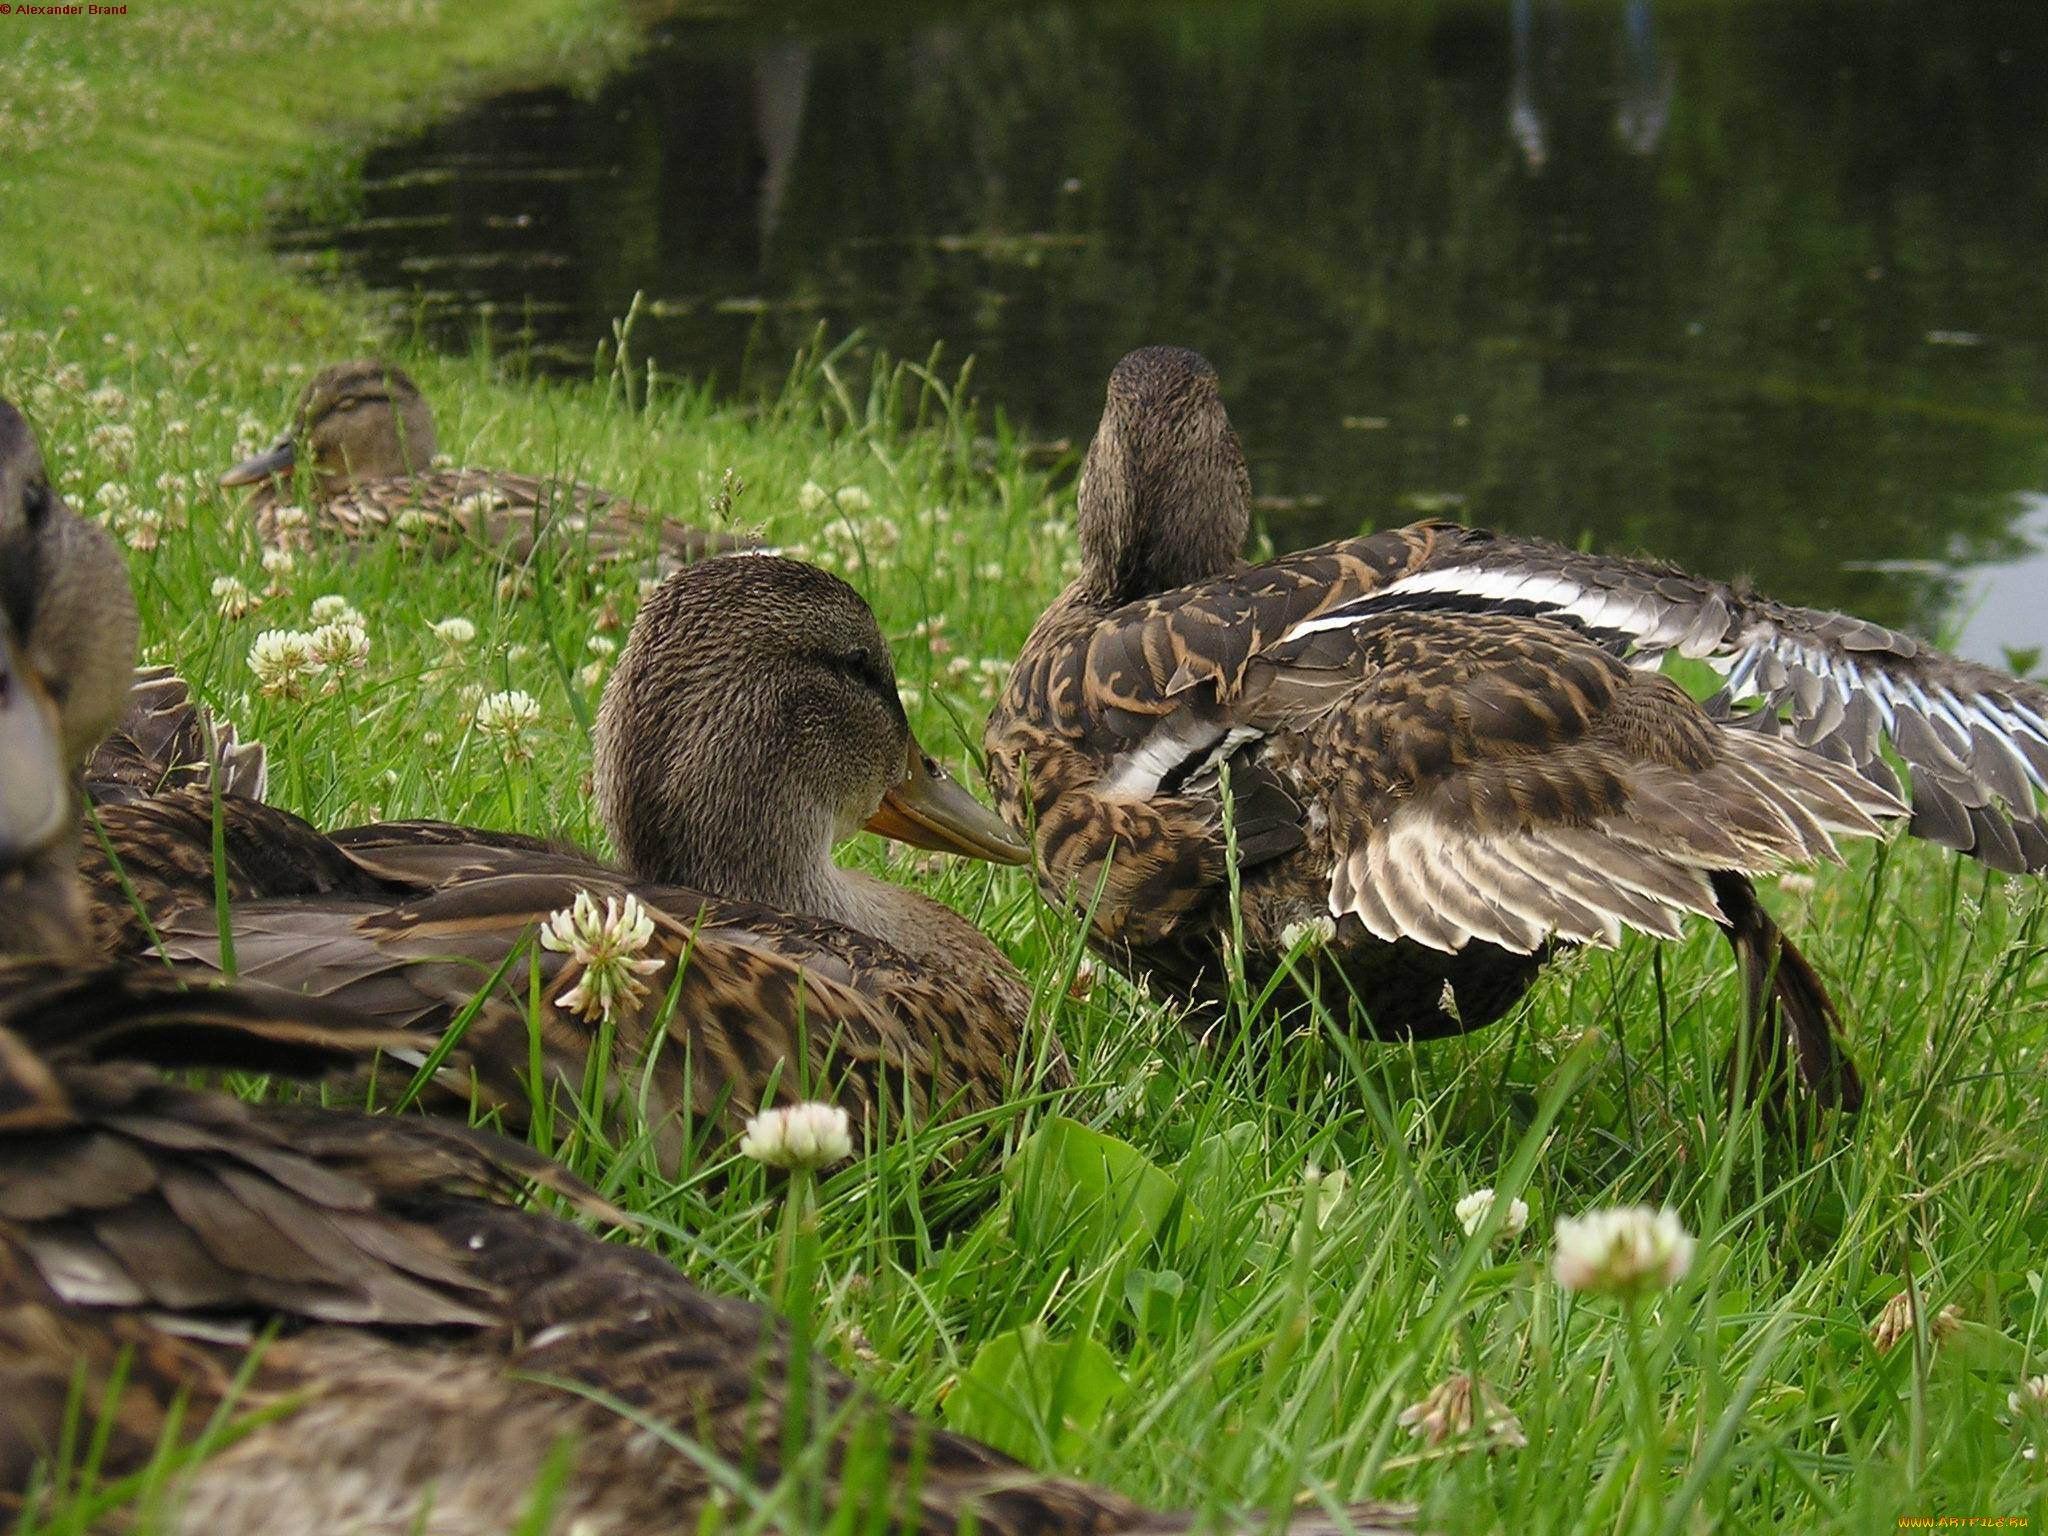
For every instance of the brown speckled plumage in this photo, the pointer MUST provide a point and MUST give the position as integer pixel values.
(402, 1349)
(1453, 745)
(168, 740)
(363, 433)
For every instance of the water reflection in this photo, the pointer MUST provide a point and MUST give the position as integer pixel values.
(1754, 286)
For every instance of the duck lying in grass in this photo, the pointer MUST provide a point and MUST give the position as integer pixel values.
(305, 1320)
(752, 722)
(1426, 758)
(364, 440)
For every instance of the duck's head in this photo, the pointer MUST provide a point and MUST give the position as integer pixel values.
(67, 653)
(355, 421)
(751, 723)
(1164, 498)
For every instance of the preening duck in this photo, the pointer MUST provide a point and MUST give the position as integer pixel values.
(751, 723)
(388, 1343)
(364, 439)
(1441, 752)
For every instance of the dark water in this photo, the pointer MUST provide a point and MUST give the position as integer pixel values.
(1760, 287)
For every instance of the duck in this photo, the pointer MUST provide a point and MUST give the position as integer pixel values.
(1412, 766)
(361, 443)
(352, 1315)
(727, 962)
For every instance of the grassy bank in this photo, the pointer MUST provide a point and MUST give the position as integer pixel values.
(1274, 1318)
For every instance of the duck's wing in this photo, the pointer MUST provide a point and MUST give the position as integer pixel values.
(508, 515)
(146, 860)
(741, 1008)
(150, 1232)
(1426, 746)
(1973, 740)
(1505, 779)
(430, 855)
(168, 740)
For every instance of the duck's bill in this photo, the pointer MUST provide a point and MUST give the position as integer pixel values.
(928, 809)
(277, 459)
(35, 790)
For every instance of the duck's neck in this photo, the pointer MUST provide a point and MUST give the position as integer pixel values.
(1152, 522)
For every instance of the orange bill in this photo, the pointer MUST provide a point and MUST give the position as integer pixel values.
(928, 809)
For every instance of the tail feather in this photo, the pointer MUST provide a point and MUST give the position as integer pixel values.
(1792, 1020)
(169, 739)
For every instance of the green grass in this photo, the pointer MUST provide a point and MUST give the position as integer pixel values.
(1238, 1328)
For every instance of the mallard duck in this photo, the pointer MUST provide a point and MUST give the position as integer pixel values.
(751, 722)
(1436, 753)
(364, 439)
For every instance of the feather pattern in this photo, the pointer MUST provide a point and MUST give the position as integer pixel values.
(401, 1346)
(1974, 741)
(1456, 745)
(168, 739)
(405, 923)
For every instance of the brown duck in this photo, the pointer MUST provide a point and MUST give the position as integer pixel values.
(752, 721)
(389, 1346)
(1436, 753)
(364, 439)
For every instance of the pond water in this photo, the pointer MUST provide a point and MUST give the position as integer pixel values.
(1757, 287)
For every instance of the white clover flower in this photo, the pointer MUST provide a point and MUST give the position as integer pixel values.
(284, 663)
(234, 597)
(290, 518)
(113, 437)
(143, 527)
(1622, 1251)
(507, 718)
(852, 498)
(590, 674)
(2030, 1398)
(279, 562)
(607, 945)
(343, 644)
(1475, 1207)
(113, 496)
(601, 645)
(804, 1136)
(1316, 930)
(810, 496)
(454, 633)
(108, 397)
(1447, 1414)
(334, 609)
(411, 521)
